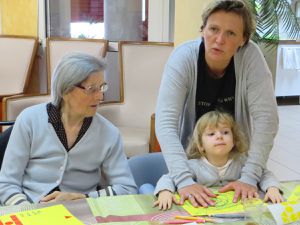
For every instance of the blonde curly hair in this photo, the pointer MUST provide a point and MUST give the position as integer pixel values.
(214, 119)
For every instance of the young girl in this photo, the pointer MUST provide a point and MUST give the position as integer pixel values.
(216, 153)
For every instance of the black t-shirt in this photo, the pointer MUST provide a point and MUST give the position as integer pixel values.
(214, 94)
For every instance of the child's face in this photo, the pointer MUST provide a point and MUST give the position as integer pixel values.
(217, 141)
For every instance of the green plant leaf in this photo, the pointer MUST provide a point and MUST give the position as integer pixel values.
(271, 17)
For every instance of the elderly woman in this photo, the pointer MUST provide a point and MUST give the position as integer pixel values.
(64, 150)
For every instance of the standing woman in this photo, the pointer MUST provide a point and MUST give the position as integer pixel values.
(224, 71)
(64, 150)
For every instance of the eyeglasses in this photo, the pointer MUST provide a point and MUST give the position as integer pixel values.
(90, 90)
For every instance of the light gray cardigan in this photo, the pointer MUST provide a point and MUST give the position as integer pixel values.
(36, 161)
(208, 176)
(255, 109)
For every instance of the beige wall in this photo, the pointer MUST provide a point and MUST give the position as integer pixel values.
(0, 17)
(19, 17)
(188, 19)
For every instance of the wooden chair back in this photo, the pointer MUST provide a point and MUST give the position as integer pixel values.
(57, 47)
(17, 55)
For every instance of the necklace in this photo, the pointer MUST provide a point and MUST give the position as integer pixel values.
(215, 75)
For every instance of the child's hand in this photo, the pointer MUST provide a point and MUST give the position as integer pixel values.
(273, 195)
(165, 200)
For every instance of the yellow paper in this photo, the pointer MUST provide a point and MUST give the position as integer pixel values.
(223, 204)
(285, 212)
(295, 195)
(57, 214)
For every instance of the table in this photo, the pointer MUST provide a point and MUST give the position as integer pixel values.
(132, 209)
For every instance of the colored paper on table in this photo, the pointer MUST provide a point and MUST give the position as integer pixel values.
(125, 205)
(130, 223)
(131, 208)
(285, 212)
(56, 214)
(224, 204)
(295, 195)
(122, 205)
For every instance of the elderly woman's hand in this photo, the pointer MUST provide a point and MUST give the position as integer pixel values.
(62, 196)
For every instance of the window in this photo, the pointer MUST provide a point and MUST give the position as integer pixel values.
(87, 19)
(111, 19)
(295, 4)
(297, 10)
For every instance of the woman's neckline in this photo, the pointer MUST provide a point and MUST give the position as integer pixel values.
(213, 75)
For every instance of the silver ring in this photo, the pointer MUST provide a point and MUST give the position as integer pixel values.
(190, 196)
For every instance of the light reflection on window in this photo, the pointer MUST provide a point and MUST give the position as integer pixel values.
(87, 30)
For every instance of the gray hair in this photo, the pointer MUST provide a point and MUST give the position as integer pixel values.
(71, 70)
(240, 7)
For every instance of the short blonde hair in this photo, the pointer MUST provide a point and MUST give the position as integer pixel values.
(214, 119)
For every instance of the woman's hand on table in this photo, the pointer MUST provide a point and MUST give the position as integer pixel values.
(241, 190)
(61, 196)
(197, 194)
